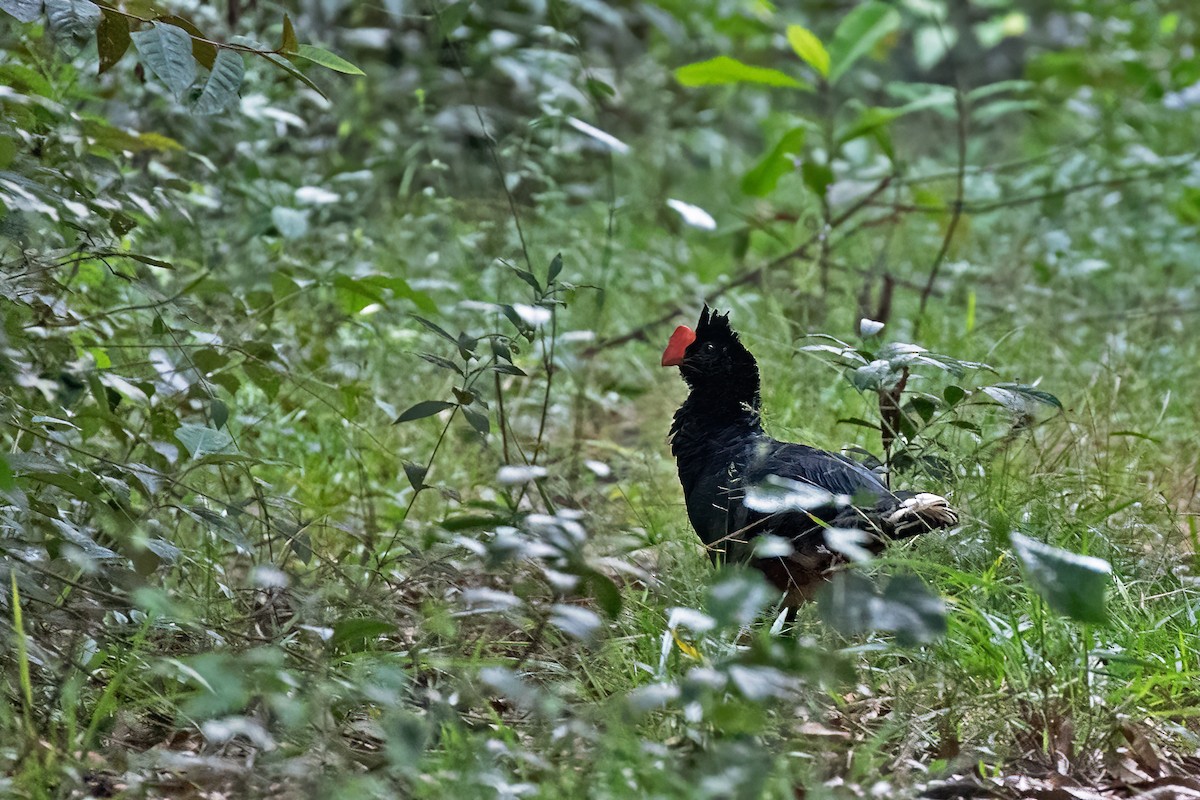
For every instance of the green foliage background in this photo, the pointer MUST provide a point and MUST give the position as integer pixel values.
(228, 267)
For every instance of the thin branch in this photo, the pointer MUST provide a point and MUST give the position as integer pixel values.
(752, 276)
(960, 103)
(988, 207)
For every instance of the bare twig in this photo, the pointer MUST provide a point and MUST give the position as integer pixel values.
(751, 276)
(960, 103)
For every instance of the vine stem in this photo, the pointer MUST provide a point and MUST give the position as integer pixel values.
(960, 102)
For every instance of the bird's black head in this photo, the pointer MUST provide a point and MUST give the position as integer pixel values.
(713, 358)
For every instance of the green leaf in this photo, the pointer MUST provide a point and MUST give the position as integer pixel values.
(219, 413)
(556, 265)
(809, 47)
(738, 596)
(353, 635)
(327, 59)
(426, 408)
(415, 474)
(817, 177)
(289, 43)
(528, 277)
(858, 33)
(292, 223)
(7, 481)
(149, 261)
(23, 10)
(439, 330)
(723, 69)
(765, 175)
(202, 50)
(604, 591)
(112, 40)
(443, 363)
(853, 605)
(222, 85)
(72, 19)
(478, 420)
(290, 69)
(1072, 584)
(166, 50)
(452, 16)
(1020, 398)
(201, 440)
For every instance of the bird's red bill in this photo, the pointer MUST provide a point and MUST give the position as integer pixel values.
(680, 339)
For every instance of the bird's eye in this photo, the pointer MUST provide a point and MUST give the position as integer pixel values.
(709, 347)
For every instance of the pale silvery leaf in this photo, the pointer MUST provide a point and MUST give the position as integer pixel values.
(693, 215)
(512, 475)
(606, 139)
(869, 327)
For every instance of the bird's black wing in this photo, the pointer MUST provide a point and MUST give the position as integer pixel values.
(829, 471)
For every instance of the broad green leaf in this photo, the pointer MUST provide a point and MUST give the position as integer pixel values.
(219, 413)
(737, 596)
(817, 177)
(604, 591)
(723, 69)
(556, 265)
(112, 40)
(809, 47)
(327, 59)
(222, 85)
(477, 420)
(23, 10)
(353, 635)
(202, 49)
(292, 223)
(166, 50)
(72, 19)
(263, 377)
(858, 33)
(853, 605)
(765, 175)
(121, 223)
(426, 408)
(201, 440)
(452, 16)
(1072, 584)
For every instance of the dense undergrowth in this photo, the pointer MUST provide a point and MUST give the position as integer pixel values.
(334, 434)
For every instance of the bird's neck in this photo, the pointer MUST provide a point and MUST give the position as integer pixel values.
(713, 420)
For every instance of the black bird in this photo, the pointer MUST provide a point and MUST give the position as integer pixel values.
(796, 492)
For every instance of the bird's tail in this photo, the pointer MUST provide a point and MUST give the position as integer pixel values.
(919, 513)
